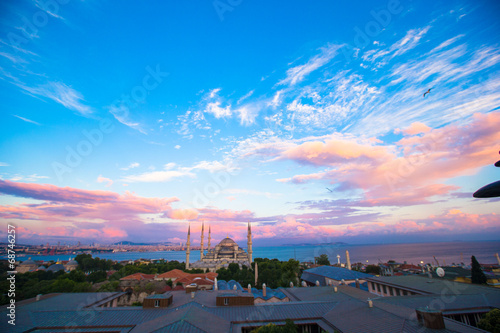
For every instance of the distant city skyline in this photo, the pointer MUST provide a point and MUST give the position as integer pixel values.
(318, 123)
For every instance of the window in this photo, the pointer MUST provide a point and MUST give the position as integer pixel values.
(373, 286)
(385, 289)
(226, 301)
(157, 303)
(378, 288)
(404, 292)
(390, 291)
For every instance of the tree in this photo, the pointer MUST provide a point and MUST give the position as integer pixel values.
(491, 321)
(373, 269)
(97, 277)
(322, 260)
(289, 327)
(477, 274)
(76, 275)
(109, 286)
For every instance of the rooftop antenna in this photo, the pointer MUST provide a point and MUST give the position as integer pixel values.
(437, 262)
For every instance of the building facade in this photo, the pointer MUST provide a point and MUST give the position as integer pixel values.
(223, 254)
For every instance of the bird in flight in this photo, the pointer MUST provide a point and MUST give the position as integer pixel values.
(427, 92)
(329, 189)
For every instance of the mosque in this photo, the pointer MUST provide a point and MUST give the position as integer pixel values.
(224, 253)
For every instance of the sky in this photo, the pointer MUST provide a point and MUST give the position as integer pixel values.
(308, 120)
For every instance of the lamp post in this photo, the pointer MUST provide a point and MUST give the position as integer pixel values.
(491, 190)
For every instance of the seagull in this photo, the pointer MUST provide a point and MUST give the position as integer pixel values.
(427, 92)
(329, 189)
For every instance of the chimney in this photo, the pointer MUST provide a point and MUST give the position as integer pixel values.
(38, 297)
(357, 283)
(192, 294)
(342, 282)
(370, 303)
(249, 288)
(216, 287)
(234, 287)
(335, 289)
(498, 258)
(317, 283)
(264, 290)
(291, 284)
(304, 284)
(430, 318)
(348, 260)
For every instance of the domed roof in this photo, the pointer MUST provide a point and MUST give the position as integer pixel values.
(28, 262)
(227, 242)
(56, 268)
(72, 263)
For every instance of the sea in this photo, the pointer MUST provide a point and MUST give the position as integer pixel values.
(446, 253)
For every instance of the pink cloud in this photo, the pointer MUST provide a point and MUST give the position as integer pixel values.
(102, 179)
(334, 151)
(414, 161)
(415, 128)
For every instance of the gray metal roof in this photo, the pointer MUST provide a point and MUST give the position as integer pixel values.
(336, 273)
(192, 317)
(435, 285)
(346, 310)
(180, 326)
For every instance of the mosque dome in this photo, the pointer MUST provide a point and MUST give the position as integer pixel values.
(227, 242)
(28, 262)
(72, 263)
(55, 268)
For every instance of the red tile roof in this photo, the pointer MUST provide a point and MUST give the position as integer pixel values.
(139, 277)
(173, 274)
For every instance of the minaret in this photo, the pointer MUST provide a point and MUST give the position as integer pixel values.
(256, 273)
(208, 249)
(188, 244)
(249, 243)
(348, 260)
(201, 245)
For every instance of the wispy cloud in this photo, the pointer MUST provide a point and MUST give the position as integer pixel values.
(47, 9)
(213, 104)
(29, 178)
(121, 113)
(407, 43)
(3, 164)
(102, 179)
(131, 166)
(62, 94)
(247, 95)
(27, 120)
(157, 176)
(298, 73)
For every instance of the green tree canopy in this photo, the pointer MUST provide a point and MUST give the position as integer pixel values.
(491, 321)
(477, 274)
(322, 260)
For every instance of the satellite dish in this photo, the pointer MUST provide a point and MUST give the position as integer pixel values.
(440, 272)
(489, 191)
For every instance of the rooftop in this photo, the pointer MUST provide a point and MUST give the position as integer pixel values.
(336, 273)
(422, 283)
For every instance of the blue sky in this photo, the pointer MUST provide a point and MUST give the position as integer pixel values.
(305, 119)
